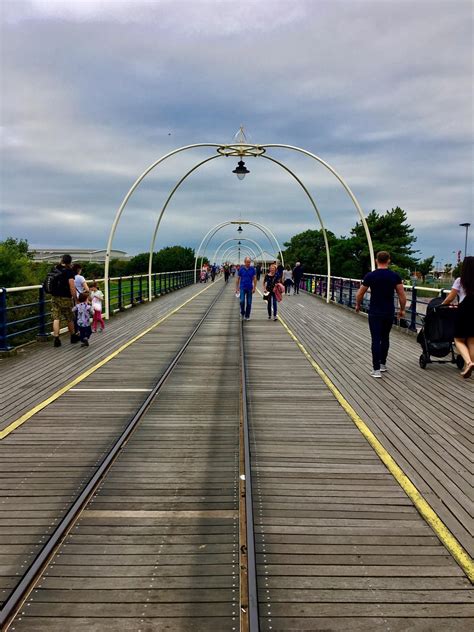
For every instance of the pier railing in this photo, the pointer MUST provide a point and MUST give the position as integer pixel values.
(25, 312)
(343, 291)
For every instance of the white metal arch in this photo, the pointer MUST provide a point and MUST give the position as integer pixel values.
(252, 241)
(233, 248)
(239, 149)
(212, 231)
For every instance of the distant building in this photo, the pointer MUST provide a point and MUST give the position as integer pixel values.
(52, 255)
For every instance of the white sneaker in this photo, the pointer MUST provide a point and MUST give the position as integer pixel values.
(376, 374)
(383, 368)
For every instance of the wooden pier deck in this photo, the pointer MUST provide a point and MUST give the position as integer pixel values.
(339, 544)
(424, 418)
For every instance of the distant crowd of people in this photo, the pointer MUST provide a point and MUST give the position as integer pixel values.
(277, 282)
(80, 304)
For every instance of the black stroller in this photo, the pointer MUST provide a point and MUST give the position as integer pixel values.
(436, 337)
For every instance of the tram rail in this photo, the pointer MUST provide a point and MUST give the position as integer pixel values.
(248, 601)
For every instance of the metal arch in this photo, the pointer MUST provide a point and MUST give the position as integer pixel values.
(311, 199)
(208, 236)
(216, 228)
(241, 149)
(252, 241)
(158, 222)
(124, 203)
(346, 187)
(247, 247)
(229, 250)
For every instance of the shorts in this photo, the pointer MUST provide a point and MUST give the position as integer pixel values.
(61, 308)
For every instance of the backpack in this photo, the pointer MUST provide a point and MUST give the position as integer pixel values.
(52, 282)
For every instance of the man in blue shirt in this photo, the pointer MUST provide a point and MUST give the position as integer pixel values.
(246, 284)
(383, 283)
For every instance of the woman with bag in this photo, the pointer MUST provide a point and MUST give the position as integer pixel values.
(269, 283)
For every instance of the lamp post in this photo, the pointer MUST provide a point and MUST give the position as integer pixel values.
(466, 226)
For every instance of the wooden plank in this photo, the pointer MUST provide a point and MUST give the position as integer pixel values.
(310, 554)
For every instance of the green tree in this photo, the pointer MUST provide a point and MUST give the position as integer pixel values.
(308, 248)
(15, 263)
(425, 266)
(173, 258)
(389, 231)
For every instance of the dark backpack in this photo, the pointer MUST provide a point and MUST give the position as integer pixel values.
(52, 282)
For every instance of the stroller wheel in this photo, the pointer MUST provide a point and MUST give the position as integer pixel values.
(422, 361)
(459, 362)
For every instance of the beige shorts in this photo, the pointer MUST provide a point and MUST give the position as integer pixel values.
(61, 308)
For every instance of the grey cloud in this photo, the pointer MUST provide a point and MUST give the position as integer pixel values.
(381, 90)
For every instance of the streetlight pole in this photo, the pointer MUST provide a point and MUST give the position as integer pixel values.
(466, 226)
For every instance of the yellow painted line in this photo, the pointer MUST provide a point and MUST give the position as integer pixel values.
(456, 549)
(21, 420)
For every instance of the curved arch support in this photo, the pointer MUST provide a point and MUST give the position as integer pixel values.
(346, 187)
(231, 249)
(118, 214)
(210, 234)
(158, 222)
(318, 215)
(238, 239)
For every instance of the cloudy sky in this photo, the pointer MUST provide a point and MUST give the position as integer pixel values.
(95, 91)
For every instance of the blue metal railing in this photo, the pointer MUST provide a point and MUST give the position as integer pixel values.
(25, 312)
(343, 291)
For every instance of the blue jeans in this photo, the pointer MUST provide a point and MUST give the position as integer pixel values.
(272, 300)
(245, 297)
(380, 326)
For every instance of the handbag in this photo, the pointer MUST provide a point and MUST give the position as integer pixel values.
(265, 296)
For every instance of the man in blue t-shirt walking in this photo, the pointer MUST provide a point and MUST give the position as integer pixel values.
(246, 284)
(382, 282)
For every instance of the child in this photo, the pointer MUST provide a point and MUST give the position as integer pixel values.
(96, 299)
(83, 312)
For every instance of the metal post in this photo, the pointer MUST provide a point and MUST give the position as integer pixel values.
(108, 294)
(4, 345)
(42, 335)
(350, 292)
(154, 285)
(120, 295)
(333, 288)
(341, 292)
(131, 292)
(140, 288)
(413, 309)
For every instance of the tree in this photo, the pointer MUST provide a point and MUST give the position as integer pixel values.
(425, 266)
(390, 232)
(15, 263)
(173, 258)
(448, 269)
(308, 248)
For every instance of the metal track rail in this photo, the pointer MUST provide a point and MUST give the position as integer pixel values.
(30, 578)
(248, 566)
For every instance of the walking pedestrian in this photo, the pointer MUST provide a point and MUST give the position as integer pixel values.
(226, 273)
(287, 279)
(79, 280)
(246, 284)
(269, 282)
(258, 271)
(382, 283)
(463, 288)
(63, 294)
(297, 276)
(83, 310)
(96, 297)
(213, 272)
(279, 269)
